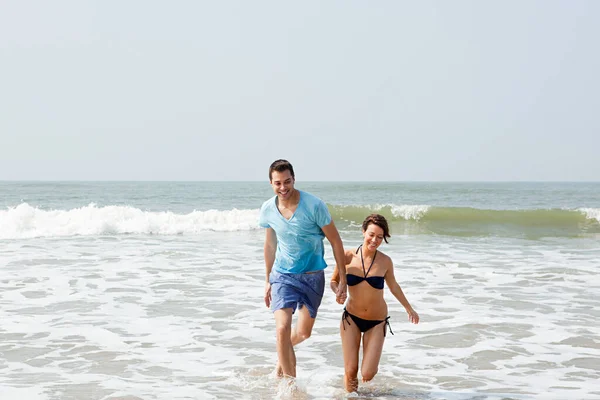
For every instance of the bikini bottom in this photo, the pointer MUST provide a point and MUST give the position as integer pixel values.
(364, 325)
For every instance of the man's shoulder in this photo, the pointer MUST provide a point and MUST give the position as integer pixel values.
(265, 215)
(268, 203)
(310, 198)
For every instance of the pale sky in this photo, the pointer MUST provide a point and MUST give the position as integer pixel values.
(345, 90)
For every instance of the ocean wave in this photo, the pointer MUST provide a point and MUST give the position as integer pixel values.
(25, 221)
(465, 215)
(591, 213)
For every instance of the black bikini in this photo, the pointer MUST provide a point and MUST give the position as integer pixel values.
(376, 282)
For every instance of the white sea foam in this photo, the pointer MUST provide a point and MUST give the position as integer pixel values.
(23, 393)
(148, 317)
(409, 212)
(591, 213)
(405, 211)
(25, 221)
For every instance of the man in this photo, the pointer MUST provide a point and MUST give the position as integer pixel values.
(296, 223)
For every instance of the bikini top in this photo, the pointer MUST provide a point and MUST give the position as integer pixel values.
(375, 281)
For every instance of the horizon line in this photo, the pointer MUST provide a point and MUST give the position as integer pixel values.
(297, 182)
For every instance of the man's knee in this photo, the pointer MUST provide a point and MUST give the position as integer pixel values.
(283, 332)
(302, 335)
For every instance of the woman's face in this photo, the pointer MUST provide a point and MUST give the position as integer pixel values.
(373, 237)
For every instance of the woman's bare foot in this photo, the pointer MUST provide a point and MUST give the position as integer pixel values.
(351, 384)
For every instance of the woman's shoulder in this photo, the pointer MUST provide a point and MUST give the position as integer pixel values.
(349, 253)
(384, 258)
(353, 251)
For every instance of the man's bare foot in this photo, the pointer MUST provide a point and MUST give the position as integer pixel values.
(351, 384)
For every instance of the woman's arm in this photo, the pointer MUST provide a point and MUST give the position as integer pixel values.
(396, 290)
(335, 277)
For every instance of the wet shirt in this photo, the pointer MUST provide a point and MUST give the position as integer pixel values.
(299, 239)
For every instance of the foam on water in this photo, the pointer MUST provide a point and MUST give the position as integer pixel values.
(410, 212)
(182, 317)
(591, 213)
(24, 221)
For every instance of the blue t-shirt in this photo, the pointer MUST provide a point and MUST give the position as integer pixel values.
(299, 239)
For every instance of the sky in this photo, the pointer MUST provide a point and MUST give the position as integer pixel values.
(345, 90)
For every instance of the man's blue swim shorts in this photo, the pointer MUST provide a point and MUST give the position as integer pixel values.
(297, 290)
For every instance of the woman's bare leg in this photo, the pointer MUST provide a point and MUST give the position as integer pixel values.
(350, 345)
(372, 347)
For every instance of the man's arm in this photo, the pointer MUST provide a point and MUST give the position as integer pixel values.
(332, 234)
(269, 252)
(335, 279)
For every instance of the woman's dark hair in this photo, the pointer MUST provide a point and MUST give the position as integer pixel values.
(378, 220)
(280, 166)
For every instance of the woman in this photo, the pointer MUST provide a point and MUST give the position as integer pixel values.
(366, 312)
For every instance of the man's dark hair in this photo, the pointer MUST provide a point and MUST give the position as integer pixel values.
(378, 220)
(280, 166)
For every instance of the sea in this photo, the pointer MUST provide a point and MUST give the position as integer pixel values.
(154, 290)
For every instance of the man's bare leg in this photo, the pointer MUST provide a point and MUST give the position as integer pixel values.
(299, 334)
(285, 349)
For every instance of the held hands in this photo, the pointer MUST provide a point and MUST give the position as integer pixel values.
(341, 293)
(268, 294)
(412, 316)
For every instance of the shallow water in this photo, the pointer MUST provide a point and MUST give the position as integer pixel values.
(173, 310)
(182, 318)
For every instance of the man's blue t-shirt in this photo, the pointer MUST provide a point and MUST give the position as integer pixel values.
(299, 239)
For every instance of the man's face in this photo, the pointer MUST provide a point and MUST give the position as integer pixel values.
(283, 184)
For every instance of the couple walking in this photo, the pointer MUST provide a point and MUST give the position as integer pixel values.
(296, 223)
